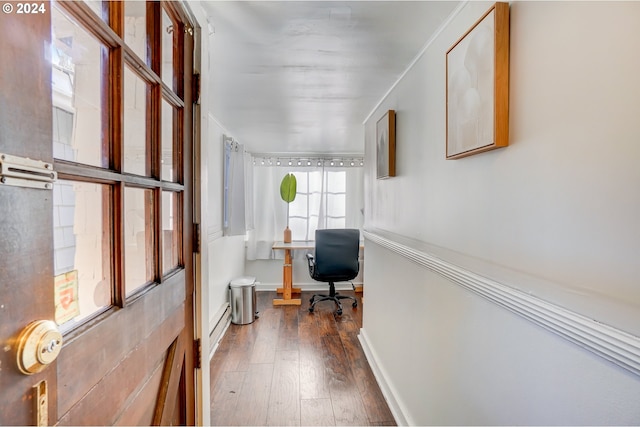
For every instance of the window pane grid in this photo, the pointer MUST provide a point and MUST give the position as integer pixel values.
(138, 238)
(170, 231)
(136, 92)
(167, 172)
(76, 58)
(168, 31)
(135, 27)
(96, 6)
(82, 254)
(139, 156)
(320, 203)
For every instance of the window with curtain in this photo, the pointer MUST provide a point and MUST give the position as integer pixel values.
(320, 202)
(329, 195)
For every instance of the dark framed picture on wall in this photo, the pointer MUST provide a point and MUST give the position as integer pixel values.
(386, 145)
(478, 86)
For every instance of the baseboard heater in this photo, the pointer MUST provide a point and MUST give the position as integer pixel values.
(218, 330)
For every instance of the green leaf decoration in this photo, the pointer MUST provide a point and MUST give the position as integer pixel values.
(288, 188)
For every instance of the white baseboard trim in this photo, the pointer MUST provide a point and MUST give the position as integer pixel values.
(610, 343)
(397, 409)
(218, 326)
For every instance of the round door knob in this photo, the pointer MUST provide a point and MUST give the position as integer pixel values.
(38, 345)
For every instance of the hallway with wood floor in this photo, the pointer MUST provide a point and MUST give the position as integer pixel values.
(291, 367)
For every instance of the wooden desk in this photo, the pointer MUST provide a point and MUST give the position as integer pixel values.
(287, 272)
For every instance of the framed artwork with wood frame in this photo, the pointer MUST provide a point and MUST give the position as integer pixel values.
(386, 145)
(478, 86)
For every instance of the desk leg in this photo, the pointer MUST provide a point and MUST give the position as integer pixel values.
(287, 282)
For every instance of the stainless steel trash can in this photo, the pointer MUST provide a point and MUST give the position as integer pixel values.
(242, 298)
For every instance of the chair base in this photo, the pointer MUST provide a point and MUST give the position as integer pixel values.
(333, 296)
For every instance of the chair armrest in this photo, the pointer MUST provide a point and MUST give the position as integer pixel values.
(312, 264)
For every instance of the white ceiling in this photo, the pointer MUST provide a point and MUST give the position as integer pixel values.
(302, 76)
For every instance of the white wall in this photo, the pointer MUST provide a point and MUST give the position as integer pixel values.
(453, 358)
(553, 215)
(220, 258)
(226, 254)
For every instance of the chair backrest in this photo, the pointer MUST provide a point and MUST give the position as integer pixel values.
(336, 254)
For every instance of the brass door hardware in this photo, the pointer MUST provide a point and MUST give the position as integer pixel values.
(38, 345)
(42, 404)
(23, 172)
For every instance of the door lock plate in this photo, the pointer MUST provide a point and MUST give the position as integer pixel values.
(41, 404)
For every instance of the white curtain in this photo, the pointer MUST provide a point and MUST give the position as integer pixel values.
(309, 211)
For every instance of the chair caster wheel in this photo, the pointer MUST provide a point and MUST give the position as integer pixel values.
(339, 312)
(310, 309)
(354, 305)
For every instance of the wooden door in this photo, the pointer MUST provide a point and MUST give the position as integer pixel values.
(101, 92)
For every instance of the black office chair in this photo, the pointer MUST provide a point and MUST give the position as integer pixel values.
(335, 260)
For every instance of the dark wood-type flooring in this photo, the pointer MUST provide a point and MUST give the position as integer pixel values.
(291, 367)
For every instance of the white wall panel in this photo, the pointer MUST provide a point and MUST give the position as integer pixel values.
(451, 357)
(226, 262)
(225, 255)
(559, 202)
(553, 215)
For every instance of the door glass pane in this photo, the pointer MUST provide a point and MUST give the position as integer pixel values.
(82, 251)
(135, 27)
(169, 230)
(76, 82)
(135, 115)
(167, 49)
(167, 142)
(138, 238)
(96, 6)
